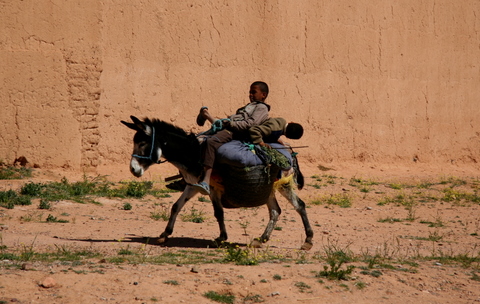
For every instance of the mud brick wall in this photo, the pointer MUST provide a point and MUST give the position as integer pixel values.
(377, 81)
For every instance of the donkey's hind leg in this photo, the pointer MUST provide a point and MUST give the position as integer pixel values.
(287, 191)
(274, 212)
(187, 194)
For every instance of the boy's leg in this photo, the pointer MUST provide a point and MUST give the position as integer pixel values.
(204, 115)
(212, 144)
(200, 118)
(207, 115)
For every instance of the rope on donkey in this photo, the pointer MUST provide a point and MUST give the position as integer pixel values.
(217, 125)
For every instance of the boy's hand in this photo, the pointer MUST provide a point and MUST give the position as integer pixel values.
(226, 123)
(262, 144)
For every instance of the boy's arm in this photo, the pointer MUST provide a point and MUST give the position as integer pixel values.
(257, 117)
(280, 141)
(257, 133)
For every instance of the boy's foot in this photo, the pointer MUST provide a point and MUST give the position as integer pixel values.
(200, 119)
(203, 187)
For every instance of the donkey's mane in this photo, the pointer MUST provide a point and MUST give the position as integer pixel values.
(166, 127)
(183, 147)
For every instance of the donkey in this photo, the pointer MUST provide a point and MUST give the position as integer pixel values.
(230, 187)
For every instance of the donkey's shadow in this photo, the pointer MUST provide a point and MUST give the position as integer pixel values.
(175, 242)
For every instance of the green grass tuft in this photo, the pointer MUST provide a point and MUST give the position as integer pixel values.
(11, 172)
(221, 298)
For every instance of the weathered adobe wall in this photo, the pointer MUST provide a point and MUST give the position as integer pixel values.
(372, 81)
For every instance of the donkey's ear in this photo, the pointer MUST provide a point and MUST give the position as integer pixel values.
(136, 121)
(141, 126)
(137, 125)
(130, 125)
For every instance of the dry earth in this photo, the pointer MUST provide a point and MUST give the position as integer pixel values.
(286, 276)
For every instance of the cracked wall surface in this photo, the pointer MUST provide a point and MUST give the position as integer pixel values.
(371, 81)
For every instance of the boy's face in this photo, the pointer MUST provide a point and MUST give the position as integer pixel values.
(256, 94)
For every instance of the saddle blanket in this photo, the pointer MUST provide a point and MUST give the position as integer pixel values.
(238, 154)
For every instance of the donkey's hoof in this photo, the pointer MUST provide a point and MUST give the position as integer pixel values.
(220, 241)
(256, 244)
(306, 246)
(162, 240)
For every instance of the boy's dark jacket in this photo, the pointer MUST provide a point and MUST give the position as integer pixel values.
(268, 132)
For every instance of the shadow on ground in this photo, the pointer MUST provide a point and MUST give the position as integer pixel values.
(177, 242)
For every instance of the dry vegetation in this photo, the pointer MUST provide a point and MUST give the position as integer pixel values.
(375, 241)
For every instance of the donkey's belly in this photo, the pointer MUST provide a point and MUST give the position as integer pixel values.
(248, 186)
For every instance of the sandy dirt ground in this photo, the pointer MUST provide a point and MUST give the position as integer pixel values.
(405, 238)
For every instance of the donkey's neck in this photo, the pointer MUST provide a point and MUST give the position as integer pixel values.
(180, 148)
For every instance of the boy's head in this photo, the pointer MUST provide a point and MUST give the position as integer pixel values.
(294, 130)
(258, 91)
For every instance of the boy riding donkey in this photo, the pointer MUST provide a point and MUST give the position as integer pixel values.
(249, 123)
(236, 127)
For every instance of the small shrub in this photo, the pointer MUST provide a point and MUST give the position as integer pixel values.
(31, 217)
(195, 216)
(8, 256)
(434, 236)
(53, 219)
(373, 273)
(81, 188)
(302, 286)
(221, 298)
(365, 189)
(253, 299)
(6, 196)
(360, 285)
(240, 256)
(127, 206)
(203, 199)
(475, 277)
(438, 223)
(125, 251)
(163, 214)
(44, 204)
(10, 198)
(341, 200)
(32, 189)
(335, 272)
(11, 172)
(453, 181)
(390, 220)
(9, 205)
(396, 186)
(23, 201)
(138, 189)
(335, 258)
(455, 196)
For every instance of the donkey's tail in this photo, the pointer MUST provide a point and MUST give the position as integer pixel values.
(298, 176)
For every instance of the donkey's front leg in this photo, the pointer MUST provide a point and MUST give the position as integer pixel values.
(187, 194)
